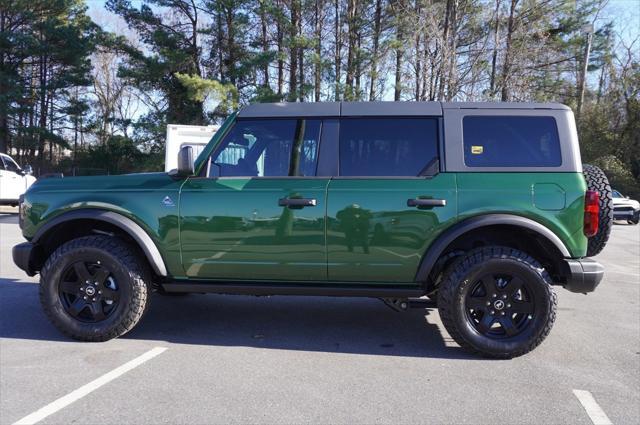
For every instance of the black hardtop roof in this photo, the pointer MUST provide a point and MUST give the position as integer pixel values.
(358, 109)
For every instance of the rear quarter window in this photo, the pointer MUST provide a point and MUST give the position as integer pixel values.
(511, 141)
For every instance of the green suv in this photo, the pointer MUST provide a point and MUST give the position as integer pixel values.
(478, 208)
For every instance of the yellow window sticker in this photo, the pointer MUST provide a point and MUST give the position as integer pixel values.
(477, 150)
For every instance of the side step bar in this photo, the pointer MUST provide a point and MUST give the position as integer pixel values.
(299, 288)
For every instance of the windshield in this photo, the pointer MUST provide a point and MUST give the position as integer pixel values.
(617, 194)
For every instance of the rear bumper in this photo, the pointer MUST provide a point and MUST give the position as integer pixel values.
(583, 275)
(23, 255)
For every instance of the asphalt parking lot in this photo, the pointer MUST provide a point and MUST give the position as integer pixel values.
(236, 359)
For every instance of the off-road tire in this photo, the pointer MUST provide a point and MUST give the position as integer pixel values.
(459, 280)
(597, 180)
(127, 268)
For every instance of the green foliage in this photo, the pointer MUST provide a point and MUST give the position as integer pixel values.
(198, 89)
(619, 175)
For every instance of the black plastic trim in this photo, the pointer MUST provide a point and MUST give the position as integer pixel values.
(132, 228)
(21, 254)
(293, 288)
(584, 275)
(437, 248)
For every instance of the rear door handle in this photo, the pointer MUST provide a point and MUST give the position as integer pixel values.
(426, 202)
(297, 202)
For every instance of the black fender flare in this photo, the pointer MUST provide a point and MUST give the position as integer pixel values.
(129, 226)
(443, 240)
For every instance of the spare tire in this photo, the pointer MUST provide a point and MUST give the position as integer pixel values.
(598, 181)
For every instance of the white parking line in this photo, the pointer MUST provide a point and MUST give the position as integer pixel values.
(66, 400)
(595, 412)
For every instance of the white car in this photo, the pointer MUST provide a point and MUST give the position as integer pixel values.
(625, 208)
(14, 181)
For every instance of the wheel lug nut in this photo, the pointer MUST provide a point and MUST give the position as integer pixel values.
(495, 295)
(508, 305)
(502, 313)
(504, 296)
(488, 302)
(493, 312)
(99, 292)
(81, 289)
(85, 297)
(93, 299)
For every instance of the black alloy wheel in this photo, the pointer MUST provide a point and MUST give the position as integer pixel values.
(500, 306)
(88, 291)
(95, 288)
(497, 301)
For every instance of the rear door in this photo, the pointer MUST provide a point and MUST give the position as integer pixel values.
(258, 211)
(389, 201)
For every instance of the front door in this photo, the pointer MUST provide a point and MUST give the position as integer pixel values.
(12, 182)
(257, 211)
(389, 202)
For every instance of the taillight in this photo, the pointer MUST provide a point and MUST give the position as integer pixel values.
(591, 210)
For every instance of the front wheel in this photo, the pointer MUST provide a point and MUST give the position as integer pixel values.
(497, 302)
(94, 288)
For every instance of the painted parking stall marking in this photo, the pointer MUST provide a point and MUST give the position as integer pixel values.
(595, 412)
(84, 390)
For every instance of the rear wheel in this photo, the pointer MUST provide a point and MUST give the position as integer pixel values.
(94, 288)
(598, 181)
(497, 302)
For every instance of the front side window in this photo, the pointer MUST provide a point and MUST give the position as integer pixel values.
(511, 141)
(387, 146)
(10, 164)
(268, 148)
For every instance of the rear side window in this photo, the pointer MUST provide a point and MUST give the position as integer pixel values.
(387, 147)
(511, 141)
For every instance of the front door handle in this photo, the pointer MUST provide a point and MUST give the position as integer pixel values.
(297, 202)
(426, 202)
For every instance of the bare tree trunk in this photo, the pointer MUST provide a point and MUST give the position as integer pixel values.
(452, 67)
(318, 45)
(376, 45)
(280, 41)
(398, 12)
(301, 92)
(293, 52)
(338, 53)
(4, 107)
(494, 55)
(358, 79)
(43, 109)
(444, 61)
(506, 67)
(265, 44)
(221, 72)
(418, 66)
(351, 46)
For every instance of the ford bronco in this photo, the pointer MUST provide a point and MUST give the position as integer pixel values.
(480, 209)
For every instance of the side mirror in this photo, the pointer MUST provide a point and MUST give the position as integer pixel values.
(27, 170)
(185, 162)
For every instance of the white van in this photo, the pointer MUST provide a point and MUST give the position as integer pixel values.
(14, 181)
(186, 135)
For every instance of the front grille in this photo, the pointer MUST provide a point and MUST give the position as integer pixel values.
(622, 209)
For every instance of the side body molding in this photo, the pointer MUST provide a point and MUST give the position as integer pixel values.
(438, 247)
(126, 224)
